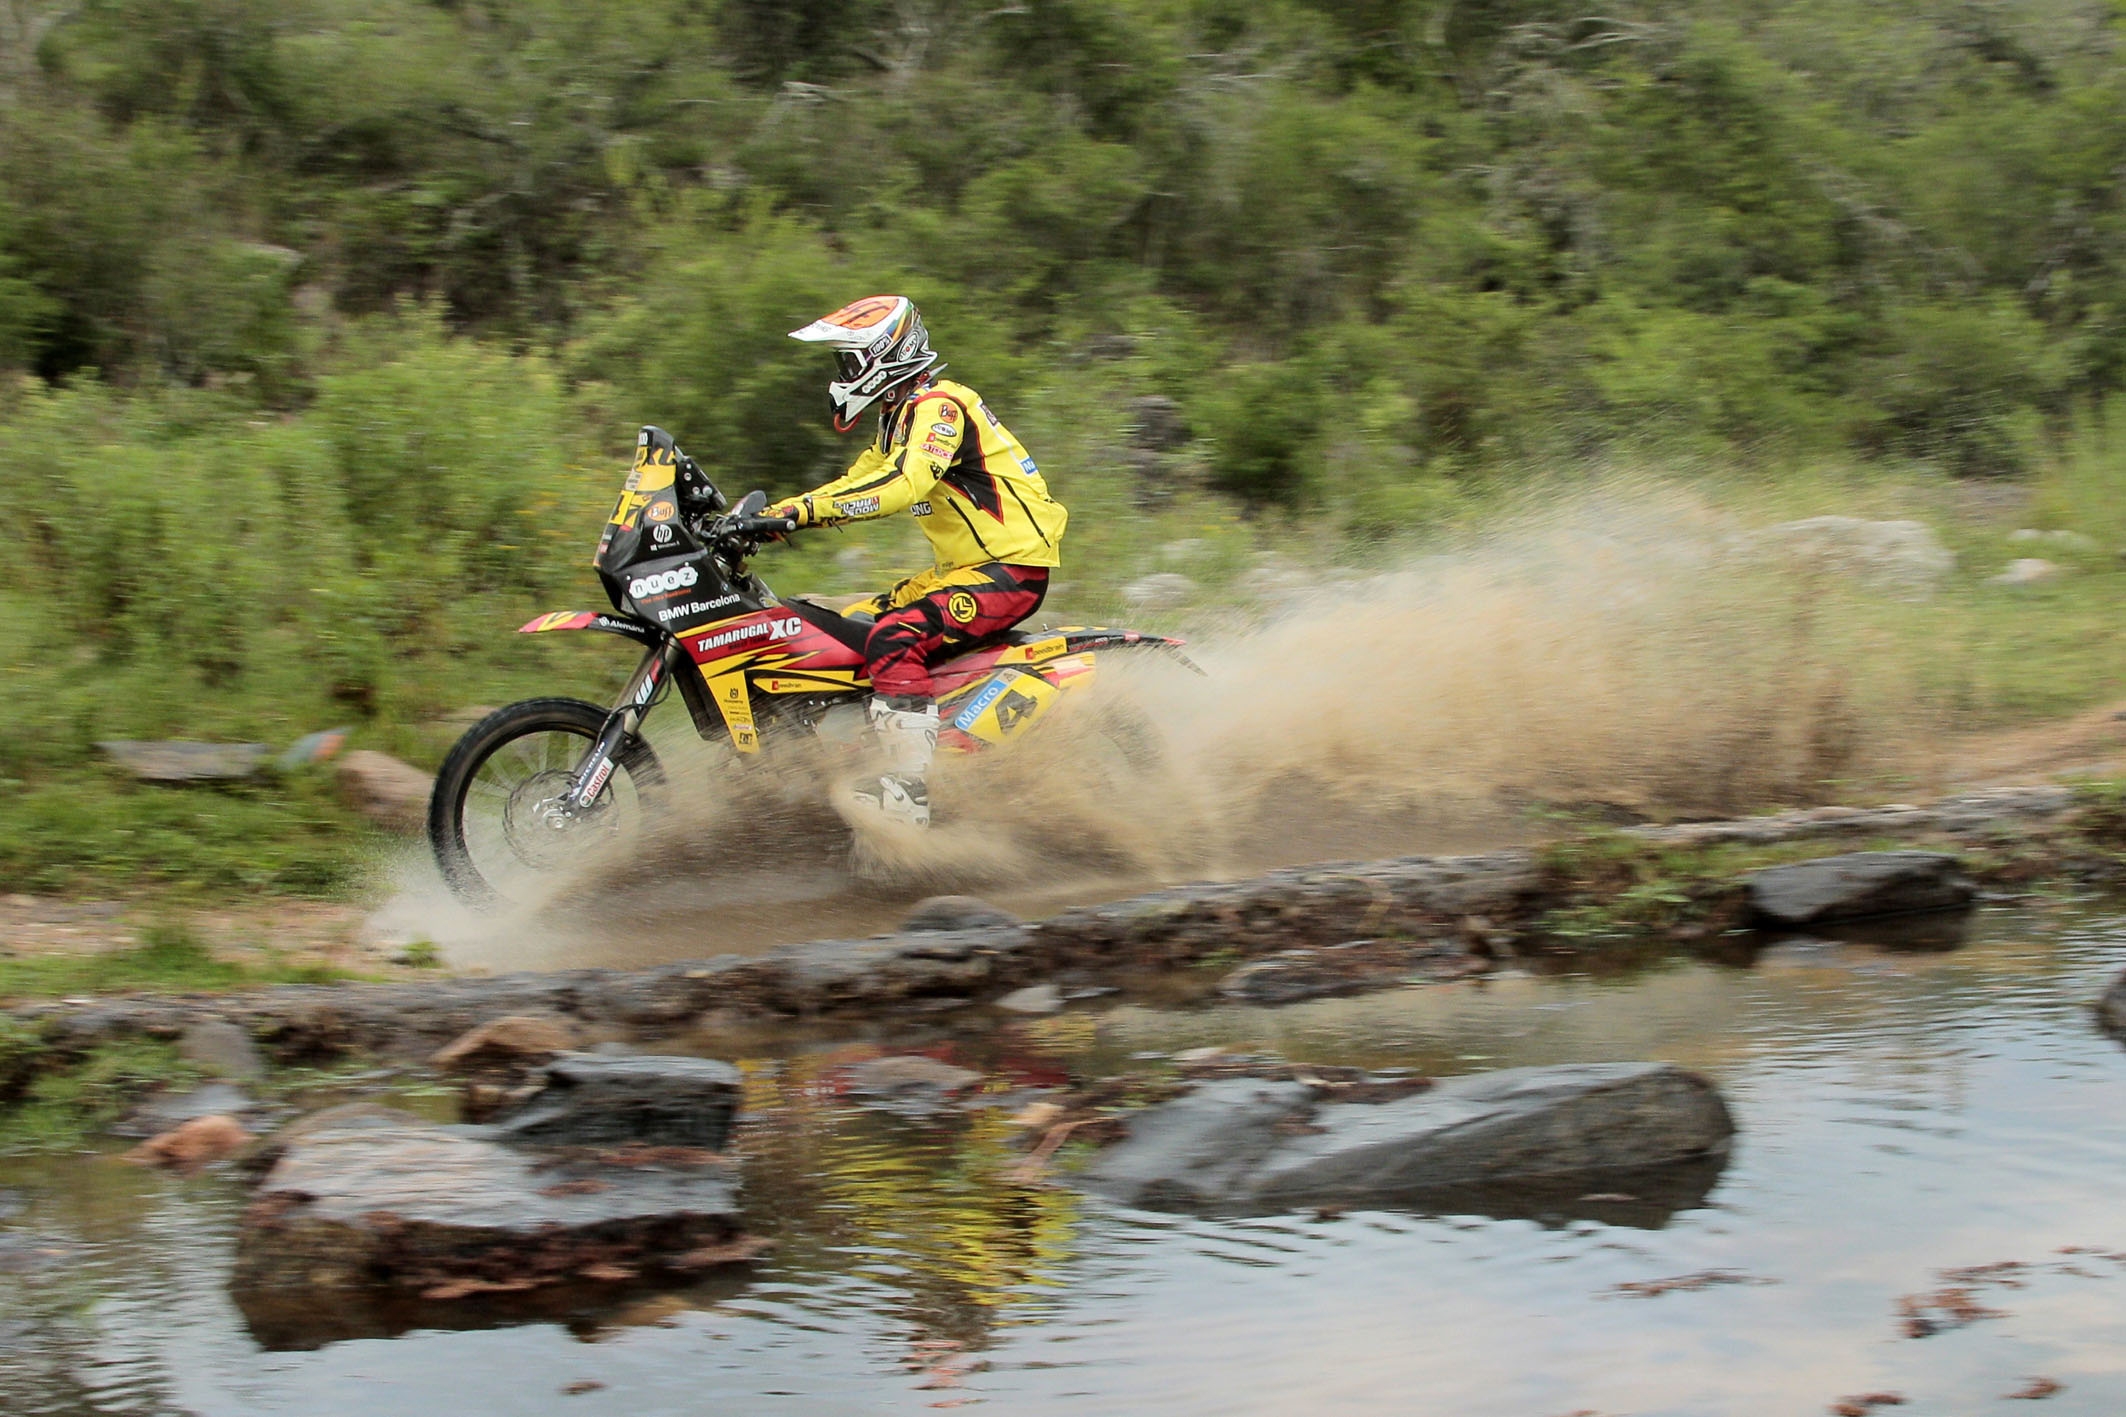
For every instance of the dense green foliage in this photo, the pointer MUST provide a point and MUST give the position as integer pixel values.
(324, 323)
(1456, 228)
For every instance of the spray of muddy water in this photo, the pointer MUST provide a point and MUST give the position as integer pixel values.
(1616, 656)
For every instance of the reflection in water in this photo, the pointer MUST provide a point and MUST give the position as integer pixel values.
(1902, 1109)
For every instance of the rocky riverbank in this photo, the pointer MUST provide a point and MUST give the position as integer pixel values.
(1289, 934)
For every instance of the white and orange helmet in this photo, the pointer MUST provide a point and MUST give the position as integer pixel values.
(879, 344)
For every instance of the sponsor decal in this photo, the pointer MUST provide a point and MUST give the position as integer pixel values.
(988, 415)
(786, 628)
(944, 430)
(949, 412)
(649, 687)
(1026, 465)
(934, 450)
(661, 534)
(857, 507)
(1015, 708)
(663, 583)
(694, 608)
(660, 511)
(919, 509)
(991, 692)
(1045, 649)
(961, 607)
(596, 785)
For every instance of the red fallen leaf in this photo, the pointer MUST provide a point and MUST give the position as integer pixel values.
(1861, 1404)
(2035, 1389)
(465, 1288)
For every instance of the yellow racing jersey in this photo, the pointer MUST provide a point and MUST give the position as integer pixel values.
(946, 459)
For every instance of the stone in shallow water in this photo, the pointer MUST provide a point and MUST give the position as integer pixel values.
(364, 1196)
(1256, 1145)
(1857, 885)
(909, 1083)
(599, 1100)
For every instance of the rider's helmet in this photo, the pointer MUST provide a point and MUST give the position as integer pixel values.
(880, 345)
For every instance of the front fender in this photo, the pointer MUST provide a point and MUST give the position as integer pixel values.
(635, 630)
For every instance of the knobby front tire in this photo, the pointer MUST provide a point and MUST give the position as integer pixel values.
(528, 744)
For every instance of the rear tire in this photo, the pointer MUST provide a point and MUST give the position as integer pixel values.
(477, 864)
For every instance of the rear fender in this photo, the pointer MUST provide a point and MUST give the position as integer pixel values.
(1078, 639)
(635, 630)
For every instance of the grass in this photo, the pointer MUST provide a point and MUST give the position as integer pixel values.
(58, 1108)
(98, 830)
(167, 960)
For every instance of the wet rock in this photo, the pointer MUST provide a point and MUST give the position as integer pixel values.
(1202, 1148)
(1250, 1144)
(497, 1061)
(596, 1100)
(221, 1049)
(166, 1111)
(1350, 968)
(506, 1043)
(910, 1083)
(388, 792)
(957, 912)
(1857, 885)
(365, 1196)
(2026, 570)
(1033, 999)
(2111, 1009)
(191, 1145)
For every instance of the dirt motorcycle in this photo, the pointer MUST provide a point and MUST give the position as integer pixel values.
(530, 786)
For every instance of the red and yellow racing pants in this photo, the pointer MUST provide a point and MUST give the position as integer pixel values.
(936, 614)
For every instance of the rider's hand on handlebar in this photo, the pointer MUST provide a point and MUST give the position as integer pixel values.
(798, 510)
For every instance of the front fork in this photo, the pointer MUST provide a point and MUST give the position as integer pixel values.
(654, 673)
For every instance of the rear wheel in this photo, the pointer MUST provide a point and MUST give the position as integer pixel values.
(494, 820)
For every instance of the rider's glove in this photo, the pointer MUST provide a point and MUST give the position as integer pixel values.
(799, 510)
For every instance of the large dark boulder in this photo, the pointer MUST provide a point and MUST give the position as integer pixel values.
(364, 1196)
(1858, 885)
(1253, 1145)
(593, 1100)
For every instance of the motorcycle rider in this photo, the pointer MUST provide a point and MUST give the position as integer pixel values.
(994, 530)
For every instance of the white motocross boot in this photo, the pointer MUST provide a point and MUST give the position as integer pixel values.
(909, 738)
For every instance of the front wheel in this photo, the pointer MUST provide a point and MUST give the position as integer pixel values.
(492, 818)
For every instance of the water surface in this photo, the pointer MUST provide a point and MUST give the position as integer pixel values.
(1901, 1111)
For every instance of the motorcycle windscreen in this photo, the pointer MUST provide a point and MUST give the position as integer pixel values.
(646, 528)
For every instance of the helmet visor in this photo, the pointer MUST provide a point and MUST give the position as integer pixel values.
(850, 363)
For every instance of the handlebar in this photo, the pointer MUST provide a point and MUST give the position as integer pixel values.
(759, 528)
